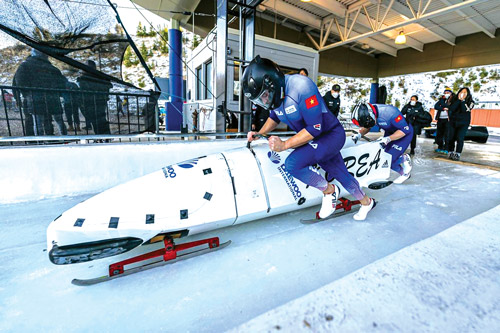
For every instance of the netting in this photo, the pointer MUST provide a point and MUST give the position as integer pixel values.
(63, 56)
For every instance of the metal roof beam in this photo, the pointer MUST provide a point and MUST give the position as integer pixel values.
(402, 24)
(338, 9)
(474, 17)
(308, 19)
(430, 26)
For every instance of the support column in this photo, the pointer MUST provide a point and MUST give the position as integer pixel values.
(221, 67)
(247, 49)
(174, 107)
(374, 91)
(373, 99)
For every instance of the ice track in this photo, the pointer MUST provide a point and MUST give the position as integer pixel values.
(269, 263)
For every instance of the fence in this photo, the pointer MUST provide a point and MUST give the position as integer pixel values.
(34, 111)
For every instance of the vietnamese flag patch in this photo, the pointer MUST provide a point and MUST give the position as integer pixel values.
(398, 118)
(311, 102)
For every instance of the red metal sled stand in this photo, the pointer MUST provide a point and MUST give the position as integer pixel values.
(169, 252)
(344, 204)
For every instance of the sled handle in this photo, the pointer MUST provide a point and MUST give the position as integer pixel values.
(265, 136)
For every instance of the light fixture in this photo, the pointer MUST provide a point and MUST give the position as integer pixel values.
(401, 38)
(365, 46)
(306, 0)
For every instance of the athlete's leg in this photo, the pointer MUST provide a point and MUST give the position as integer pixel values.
(396, 149)
(299, 163)
(335, 167)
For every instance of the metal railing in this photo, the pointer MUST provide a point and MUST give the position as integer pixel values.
(90, 139)
(26, 112)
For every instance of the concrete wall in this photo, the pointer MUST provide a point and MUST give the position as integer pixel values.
(33, 173)
(471, 50)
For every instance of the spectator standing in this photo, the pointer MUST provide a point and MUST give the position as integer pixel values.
(441, 116)
(417, 117)
(149, 113)
(332, 100)
(259, 117)
(72, 101)
(95, 105)
(304, 72)
(119, 106)
(460, 115)
(36, 71)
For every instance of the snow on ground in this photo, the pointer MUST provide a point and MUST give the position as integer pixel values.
(270, 262)
(415, 289)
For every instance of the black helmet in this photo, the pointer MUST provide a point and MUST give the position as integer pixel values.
(264, 83)
(364, 115)
(336, 87)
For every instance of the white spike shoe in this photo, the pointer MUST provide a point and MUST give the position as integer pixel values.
(406, 165)
(401, 179)
(364, 210)
(329, 203)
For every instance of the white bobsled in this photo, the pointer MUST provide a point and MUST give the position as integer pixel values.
(195, 196)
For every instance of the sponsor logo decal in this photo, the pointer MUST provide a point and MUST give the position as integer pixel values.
(290, 109)
(274, 157)
(188, 164)
(398, 118)
(385, 165)
(317, 126)
(278, 113)
(169, 172)
(397, 147)
(382, 123)
(311, 102)
(292, 185)
(407, 128)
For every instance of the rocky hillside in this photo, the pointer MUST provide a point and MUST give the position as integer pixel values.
(484, 82)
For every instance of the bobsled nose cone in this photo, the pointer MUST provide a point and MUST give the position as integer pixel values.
(83, 252)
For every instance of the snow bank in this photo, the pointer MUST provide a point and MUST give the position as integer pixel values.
(33, 173)
(446, 283)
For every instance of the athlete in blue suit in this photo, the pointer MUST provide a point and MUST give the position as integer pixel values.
(397, 133)
(296, 101)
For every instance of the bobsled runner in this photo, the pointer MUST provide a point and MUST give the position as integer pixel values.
(192, 197)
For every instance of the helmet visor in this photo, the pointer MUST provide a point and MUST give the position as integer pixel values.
(265, 98)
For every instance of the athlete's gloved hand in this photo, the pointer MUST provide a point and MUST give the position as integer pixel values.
(250, 137)
(384, 141)
(356, 137)
(276, 144)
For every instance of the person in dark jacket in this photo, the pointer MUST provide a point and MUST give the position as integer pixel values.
(259, 117)
(37, 72)
(332, 99)
(441, 116)
(95, 104)
(417, 117)
(460, 115)
(72, 103)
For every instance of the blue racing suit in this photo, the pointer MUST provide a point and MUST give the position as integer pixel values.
(390, 119)
(304, 108)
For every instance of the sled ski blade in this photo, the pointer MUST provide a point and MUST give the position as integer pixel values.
(379, 185)
(158, 263)
(334, 215)
(344, 204)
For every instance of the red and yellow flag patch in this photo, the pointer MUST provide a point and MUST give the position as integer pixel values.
(398, 118)
(311, 102)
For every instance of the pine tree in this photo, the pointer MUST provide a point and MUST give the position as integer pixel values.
(144, 51)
